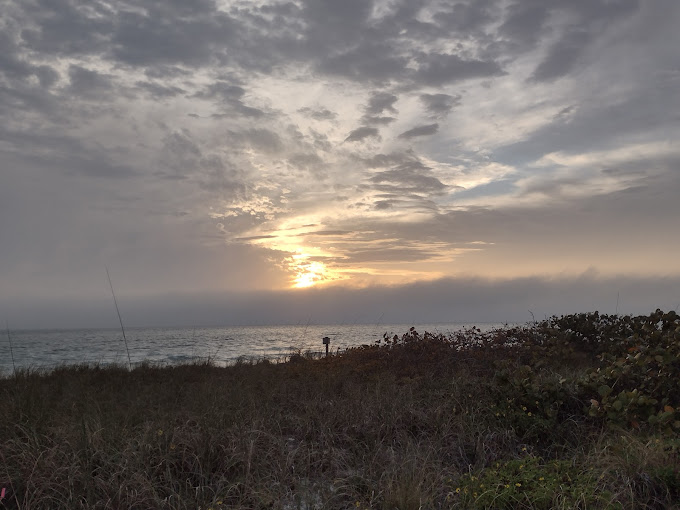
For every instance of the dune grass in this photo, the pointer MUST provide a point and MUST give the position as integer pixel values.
(574, 412)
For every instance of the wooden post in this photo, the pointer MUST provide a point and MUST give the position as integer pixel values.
(326, 342)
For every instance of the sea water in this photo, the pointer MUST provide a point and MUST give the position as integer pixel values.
(222, 345)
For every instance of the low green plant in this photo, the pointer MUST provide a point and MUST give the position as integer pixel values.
(537, 404)
(532, 483)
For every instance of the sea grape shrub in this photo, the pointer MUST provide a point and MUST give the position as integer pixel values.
(532, 402)
(414, 352)
(472, 348)
(598, 333)
(589, 332)
(640, 387)
(413, 342)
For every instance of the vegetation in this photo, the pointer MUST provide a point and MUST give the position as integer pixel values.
(579, 411)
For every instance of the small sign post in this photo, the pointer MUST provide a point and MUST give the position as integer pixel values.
(326, 342)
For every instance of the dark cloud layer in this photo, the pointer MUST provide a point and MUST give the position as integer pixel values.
(449, 300)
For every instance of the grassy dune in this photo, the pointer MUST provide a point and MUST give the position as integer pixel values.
(574, 412)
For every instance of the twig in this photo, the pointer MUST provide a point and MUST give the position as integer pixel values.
(304, 332)
(11, 351)
(617, 304)
(115, 302)
(379, 320)
(533, 319)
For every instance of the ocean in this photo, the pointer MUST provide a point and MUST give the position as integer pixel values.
(47, 349)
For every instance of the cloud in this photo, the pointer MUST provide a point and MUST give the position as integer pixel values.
(229, 98)
(591, 20)
(61, 28)
(525, 23)
(381, 205)
(310, 162)
(318, 113)
(425, 130)
(65, 155)
(380, 102)
(439, 105)
(147, 39)
(47, 76)
(166, 72)
(381, 121)
(11, 65)
(370, 62)
(441, 68)
(390, 254)
(254, 238)
(467, 17)
(562, 56)
(602, 124)
(262, 139)
(362, 133)
(159, 91)
(565, 112)
(180, 153)
(384, 160)
(409, 177)
(87, 83)
(222, 91)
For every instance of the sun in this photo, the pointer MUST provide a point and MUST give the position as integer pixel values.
(309, 274)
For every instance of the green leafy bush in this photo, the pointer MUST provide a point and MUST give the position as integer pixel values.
(640, 386)
(530, 402)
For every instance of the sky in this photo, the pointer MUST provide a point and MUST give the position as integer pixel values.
(264, 162)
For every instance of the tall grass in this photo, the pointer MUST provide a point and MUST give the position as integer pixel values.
(11, 349)
(120, 319)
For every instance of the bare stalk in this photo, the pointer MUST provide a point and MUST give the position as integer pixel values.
(11, 351)
(533, 319)
(115, 302)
